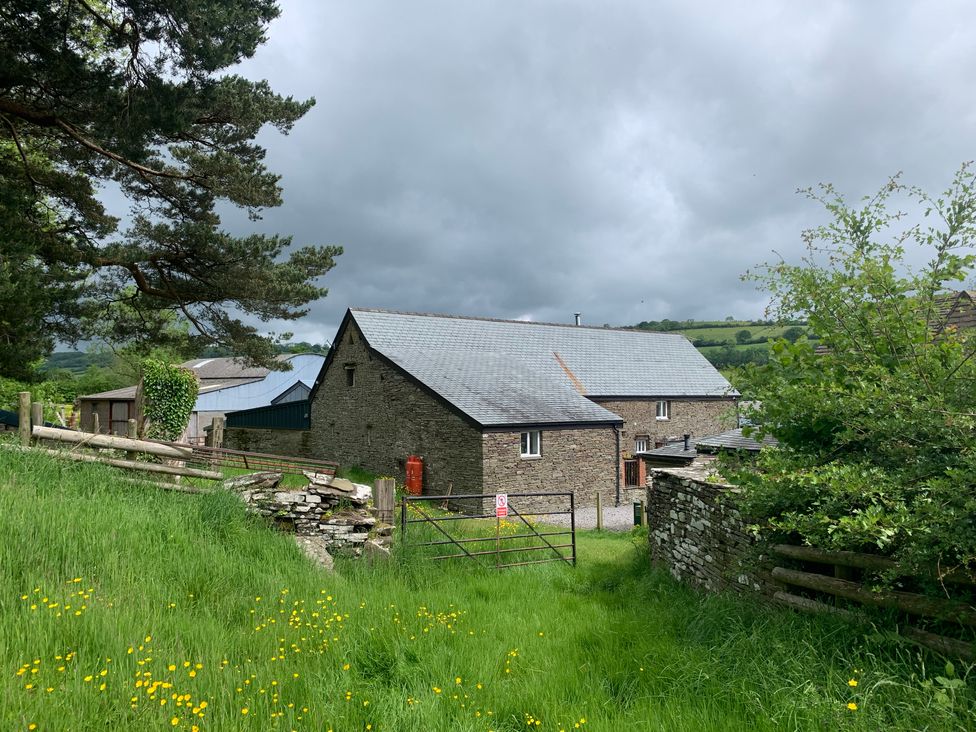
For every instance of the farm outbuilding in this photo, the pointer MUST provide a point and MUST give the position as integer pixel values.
(226, 385)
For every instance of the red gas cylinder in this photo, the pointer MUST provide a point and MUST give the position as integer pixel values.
(415, 475)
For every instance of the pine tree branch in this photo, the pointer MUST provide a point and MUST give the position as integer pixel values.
(46, 119)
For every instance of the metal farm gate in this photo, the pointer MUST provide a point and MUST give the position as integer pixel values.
(433, 529)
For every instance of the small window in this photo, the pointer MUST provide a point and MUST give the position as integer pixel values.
(350, 375)
(532, 443)
(664, 410)
(641, 443)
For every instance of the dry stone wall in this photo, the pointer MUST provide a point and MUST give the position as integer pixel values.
(696, 533)
(334, 510)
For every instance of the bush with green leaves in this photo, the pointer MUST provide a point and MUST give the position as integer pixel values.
(877, 444)
(169, 394)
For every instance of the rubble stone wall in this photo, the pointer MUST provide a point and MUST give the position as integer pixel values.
(696, 533)
(377, 416)
(581, 461)
(316, 510)
(294, 443)
(696, 417)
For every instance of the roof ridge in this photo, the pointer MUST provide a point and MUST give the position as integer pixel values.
(485, 319)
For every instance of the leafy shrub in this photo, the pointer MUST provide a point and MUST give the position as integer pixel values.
(877, 444)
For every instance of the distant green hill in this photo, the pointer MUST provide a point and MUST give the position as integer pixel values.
(76, 361)
(731, 342)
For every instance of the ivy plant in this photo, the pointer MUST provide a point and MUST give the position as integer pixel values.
(169, 394)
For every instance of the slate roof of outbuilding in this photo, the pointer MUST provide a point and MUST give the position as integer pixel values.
(503, 372)
(957, 309)
(213, 373)
(734, 440)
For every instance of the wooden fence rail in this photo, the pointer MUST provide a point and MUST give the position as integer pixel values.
(840, 584)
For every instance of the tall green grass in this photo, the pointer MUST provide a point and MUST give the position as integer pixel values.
(173, 595)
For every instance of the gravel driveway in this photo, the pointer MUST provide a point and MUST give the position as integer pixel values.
(615, 518)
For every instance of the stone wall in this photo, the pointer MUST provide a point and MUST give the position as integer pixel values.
(696, 533)
(385, 416)
(295, 443)
(696, 417)
(579, 460)
(338, 517)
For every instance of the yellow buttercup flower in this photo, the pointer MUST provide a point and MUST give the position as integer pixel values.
(852, 706)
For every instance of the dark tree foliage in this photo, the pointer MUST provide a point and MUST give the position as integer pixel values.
(135, 96)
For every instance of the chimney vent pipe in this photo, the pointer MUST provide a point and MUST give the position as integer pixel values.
(577, 318)
(687, 446)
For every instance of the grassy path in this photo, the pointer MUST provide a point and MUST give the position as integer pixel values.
(128, 608)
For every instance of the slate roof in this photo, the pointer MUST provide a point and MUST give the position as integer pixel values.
(214, 374)
(502, 372)
(731, 440)
(225, 368)
(957, 309)
(129, 392)
(734, 440)
(673, 450)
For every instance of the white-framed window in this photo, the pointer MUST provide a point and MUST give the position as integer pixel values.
(641, 443)
(664, 410)
(532, 443)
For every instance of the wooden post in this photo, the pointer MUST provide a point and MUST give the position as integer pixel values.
(37, 413)
(94, 425)
(24, 418)
(132, 433)
(217, 431)
(383, 499)
(599, 512)
(642, 514)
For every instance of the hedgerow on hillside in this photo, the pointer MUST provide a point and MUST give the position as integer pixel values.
(877, 445)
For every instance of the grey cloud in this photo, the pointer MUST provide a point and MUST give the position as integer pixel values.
(624, 159)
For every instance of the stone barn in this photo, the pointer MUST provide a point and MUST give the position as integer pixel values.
(507, 406)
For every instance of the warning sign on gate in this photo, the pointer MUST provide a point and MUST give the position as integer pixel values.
(501, 505)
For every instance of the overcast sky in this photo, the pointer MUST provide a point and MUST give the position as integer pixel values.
(628, 160)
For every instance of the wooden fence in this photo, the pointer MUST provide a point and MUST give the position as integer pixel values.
(828, 575)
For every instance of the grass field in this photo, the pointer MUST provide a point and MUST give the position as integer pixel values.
(727, 332)
(138, 609)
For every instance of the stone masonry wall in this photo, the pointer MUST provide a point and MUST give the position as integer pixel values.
(375, 424)
(579, 460)
(696, 534)
(295, 443)
(384, 417)
(698, 418)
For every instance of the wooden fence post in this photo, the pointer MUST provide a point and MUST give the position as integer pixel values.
(24, 418)
(132, 433)
(217, 431)
(94, 422)
(599, 512)
(383, 499)
(37, 413)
